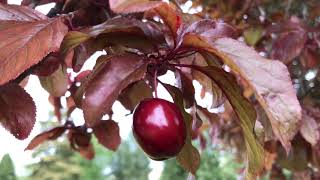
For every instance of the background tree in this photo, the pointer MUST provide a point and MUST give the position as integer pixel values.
(7, 170)
(58, 157)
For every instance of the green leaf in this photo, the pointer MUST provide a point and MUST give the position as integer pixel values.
(134, 93)
(72, 40)
(245, 112)
(188, 157)
(57, 83)
(252, 35)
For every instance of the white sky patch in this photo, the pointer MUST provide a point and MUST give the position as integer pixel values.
(45, 8)
(18, 2)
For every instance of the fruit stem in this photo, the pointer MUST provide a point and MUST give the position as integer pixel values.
(155, 82)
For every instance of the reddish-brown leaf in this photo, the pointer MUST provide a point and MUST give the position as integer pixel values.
(185, 85)
(24, 44)
(52, 134)
(57, 106)
(82, 76)
(48, 65)
(80, 56)
(18, 111)
(270, 81)
(19, 13)
(107, 133)
(310, 58)
(288, 45)
(170, 17)
(87, 152)
(79, 137)
(132, 6)
(309, 129)
(103, 90)
(210, 29)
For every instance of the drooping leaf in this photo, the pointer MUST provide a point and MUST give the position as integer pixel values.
(207, 84)
(288, 46)
(103, 90)
(80, 140)
(87, 152)
(78, 92)
(270, 81)
(48, 65)
(135, 93)
(188, 157)
(57, 106)
(19, 13)
(245, 112)
(309, 129)
(52, 134)
(185, 85)
(79, 137)
(107, 133)
(205, 115)
(24, 44)
(18, 111)
(57, 83)
(132, 6)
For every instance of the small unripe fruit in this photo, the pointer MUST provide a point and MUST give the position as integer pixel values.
(159, 128)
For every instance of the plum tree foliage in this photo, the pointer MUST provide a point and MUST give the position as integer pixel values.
(258, 59)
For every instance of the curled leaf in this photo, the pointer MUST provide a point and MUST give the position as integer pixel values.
(45, 136)
(107, 133)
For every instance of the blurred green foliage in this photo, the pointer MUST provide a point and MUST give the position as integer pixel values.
(215, 165)
(59, 162)
(7, 171)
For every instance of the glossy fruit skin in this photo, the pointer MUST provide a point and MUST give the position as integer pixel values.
(159, 128)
